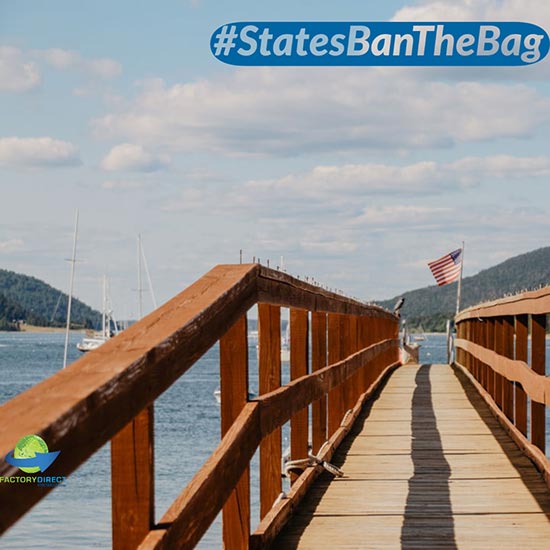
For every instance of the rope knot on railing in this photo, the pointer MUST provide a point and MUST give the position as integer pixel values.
(296, 466)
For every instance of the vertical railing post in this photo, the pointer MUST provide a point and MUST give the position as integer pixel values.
(335, 396)
(490, 339)
(462, 335)
(318, 361)
(468, 358)
(478, 338)
(366, 341)
(472, 338)
(298, 368)
(354, 386)
(522, 336)
(499, 348)
(234, 395)
(269, 364)
(483, 342)
(508, 351)
(538, 364)
(132, 481)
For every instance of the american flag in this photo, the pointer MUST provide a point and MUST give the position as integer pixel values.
(447, 269)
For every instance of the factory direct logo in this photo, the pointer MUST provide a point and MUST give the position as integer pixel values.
(31, 455)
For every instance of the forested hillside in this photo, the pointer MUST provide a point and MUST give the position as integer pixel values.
(37, 303)
(432, 306)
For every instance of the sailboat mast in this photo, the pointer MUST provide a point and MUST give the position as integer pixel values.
(71, 286)
(153, 298)
(104, 314)
(140, 297)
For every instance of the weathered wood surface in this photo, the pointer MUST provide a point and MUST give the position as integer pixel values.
(318, 361)
(533, 302)
(269, 364)
(298, 368)
(133, 481)
(429, 467)
(278, 288)
(234, 396)
(534, 382)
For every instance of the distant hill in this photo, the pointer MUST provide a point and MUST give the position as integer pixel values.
(431, 306)
(37, 303)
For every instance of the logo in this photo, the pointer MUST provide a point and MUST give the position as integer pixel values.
(31, 455)
(380, 43)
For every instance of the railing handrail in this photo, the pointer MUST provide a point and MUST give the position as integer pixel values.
(493, 350)
(83, 406)
(531, 302)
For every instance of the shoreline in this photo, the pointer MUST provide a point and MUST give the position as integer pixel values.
(36, 329)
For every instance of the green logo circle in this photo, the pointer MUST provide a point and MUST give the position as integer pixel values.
(27, 447)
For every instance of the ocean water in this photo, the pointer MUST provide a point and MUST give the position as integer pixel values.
(187, 430)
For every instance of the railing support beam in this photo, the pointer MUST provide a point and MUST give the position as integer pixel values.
(522, 336)
(318, 361)
(133, 481)
(234, 396)
(269, 332)
(538, 364)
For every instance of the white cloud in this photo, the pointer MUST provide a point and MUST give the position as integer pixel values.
(401, 215)
(11, 245)
(105, 67)
(134, 158)
(17, 73)
(35, 152)
(59, 59)
(292, 112)
(427, 177)
(62, 59)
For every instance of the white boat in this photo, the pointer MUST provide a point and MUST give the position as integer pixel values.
(89, 344)
(109, 327)
(421, 337)
(285, 345)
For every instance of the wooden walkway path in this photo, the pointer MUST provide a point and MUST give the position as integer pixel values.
(427, 466)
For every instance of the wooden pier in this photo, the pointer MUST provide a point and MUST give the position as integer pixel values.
(427, 466)
(433, 455)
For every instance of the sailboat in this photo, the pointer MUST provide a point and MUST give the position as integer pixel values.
(421, 337)
(109, 327)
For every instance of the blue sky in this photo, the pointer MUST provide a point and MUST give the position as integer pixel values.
(356, 176)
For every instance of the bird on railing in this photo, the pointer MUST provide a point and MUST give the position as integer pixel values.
(397, 308)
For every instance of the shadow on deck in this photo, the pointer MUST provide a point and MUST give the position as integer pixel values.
(426, 466)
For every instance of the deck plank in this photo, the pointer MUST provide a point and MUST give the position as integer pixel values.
(427, 467)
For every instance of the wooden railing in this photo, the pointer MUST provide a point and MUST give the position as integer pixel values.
(109, 394)
(502, 347)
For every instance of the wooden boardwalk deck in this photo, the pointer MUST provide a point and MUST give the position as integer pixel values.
(427, 466)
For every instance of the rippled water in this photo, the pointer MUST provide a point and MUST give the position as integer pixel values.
(187, 430)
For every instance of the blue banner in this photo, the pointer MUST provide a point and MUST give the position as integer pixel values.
(411, 44)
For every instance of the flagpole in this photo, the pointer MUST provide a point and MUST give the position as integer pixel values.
(459, 289)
